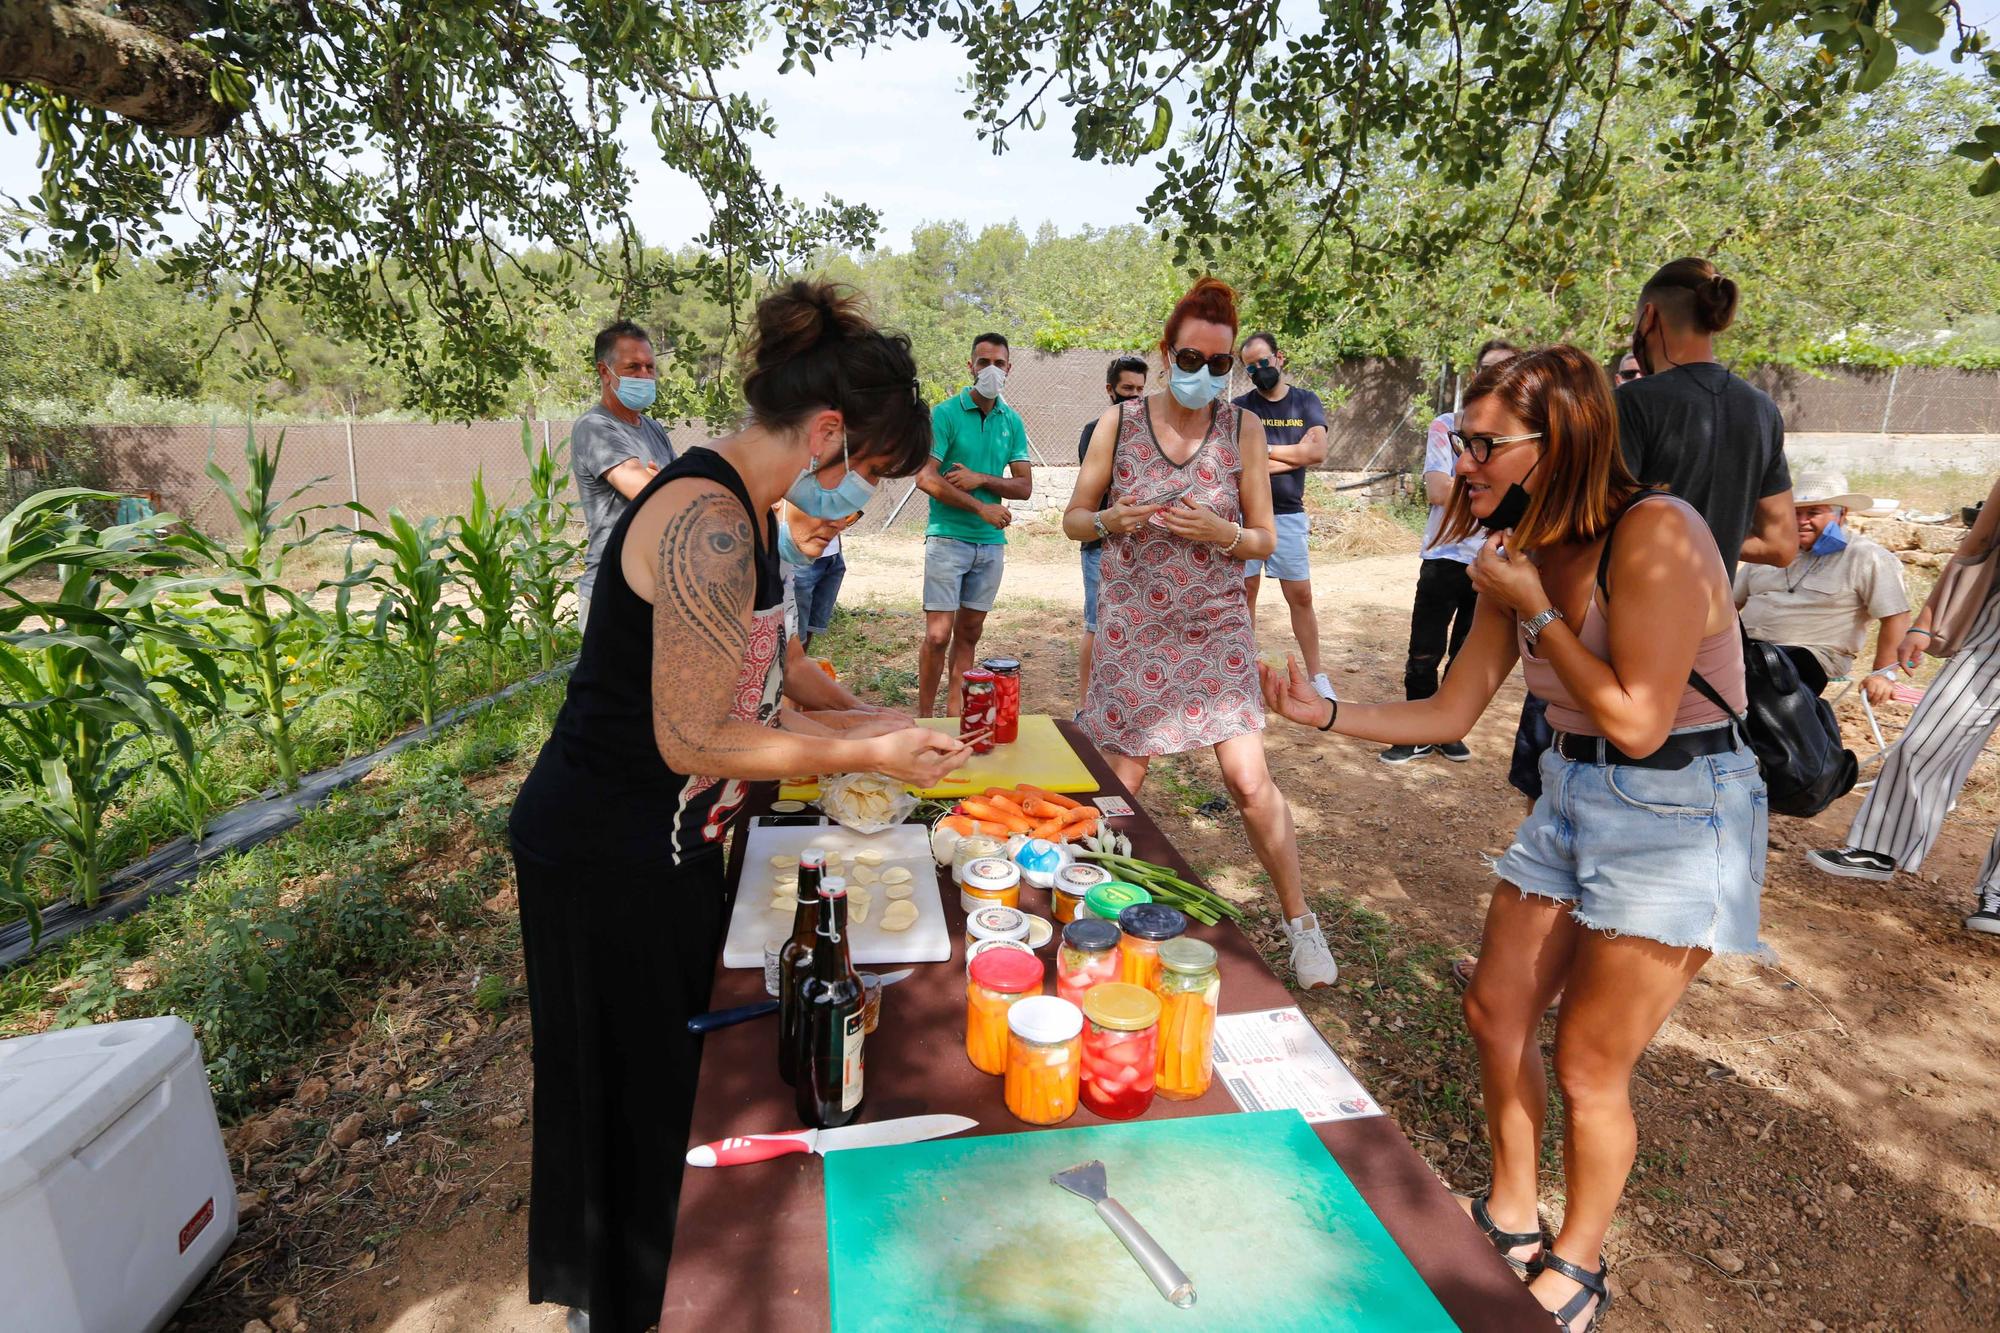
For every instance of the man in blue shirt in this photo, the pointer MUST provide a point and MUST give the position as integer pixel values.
(979, 458)
(1295, 429)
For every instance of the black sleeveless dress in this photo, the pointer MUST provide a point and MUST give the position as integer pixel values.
(618, 862)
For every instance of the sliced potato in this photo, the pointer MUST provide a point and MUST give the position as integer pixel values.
(864, 874)
(899, 915)
(857, 913)
(896, 875)
(784, 862)
(783, 904)
(869, 856)
(898, 892)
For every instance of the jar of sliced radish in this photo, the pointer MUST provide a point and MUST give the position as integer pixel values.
(1088, 957)
(1120, 1049)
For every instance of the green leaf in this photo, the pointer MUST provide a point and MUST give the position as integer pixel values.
(1989, 180)
(1878, 69)
(1918, 27)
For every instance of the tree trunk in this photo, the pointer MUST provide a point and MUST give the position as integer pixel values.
(108, 63)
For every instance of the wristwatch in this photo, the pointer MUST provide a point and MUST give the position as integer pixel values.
(1097, 520)
(1532, 630)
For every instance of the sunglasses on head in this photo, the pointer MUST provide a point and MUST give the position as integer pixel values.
(1191, 360)
(1481, 446)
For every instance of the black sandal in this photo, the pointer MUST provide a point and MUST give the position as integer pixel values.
(1504, 1241)
(1593, 1285)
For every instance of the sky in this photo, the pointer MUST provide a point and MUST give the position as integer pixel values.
(886, 130)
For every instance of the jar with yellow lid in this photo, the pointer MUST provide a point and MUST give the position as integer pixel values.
(1120, 1049)
(1044, 1059)
(990, 881)
(1190, 989)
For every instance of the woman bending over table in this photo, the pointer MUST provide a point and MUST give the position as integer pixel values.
(1174, 665)
(617, 833)
(1644, 855)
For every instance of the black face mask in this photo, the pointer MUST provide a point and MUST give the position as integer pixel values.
(1118, 398)
(1639, 346)
(1265, 377)
(1513, 506)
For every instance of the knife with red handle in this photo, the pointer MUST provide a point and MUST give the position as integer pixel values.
(763, 1147)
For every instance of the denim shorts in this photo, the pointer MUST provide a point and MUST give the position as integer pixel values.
(1674, 855)
(1289, 561)
(1093, 573)
(962, 576)
(817, 588)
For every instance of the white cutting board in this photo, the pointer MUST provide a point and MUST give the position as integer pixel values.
(907, 845)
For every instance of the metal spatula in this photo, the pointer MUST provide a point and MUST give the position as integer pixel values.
(1086, 1181)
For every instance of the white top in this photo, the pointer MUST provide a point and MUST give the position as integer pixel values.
(1823, 603)
(1437, 458)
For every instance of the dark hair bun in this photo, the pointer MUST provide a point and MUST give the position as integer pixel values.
(799, 316)
(1715, 303)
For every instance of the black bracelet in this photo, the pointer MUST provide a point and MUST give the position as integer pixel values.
(1332, 712)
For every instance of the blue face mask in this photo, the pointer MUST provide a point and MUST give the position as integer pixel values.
(1830, 541)
(1194, 389)
(637, 392)
(788, 550)
(850, 497)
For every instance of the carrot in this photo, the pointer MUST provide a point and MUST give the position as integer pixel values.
(1082, 814)
(1053, 798)
(1070, 832)
(1036, 808)
(985, 810)
(1048, 828)
(958, 824)
(1008, 804)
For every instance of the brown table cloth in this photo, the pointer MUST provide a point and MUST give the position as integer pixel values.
(750, 1243)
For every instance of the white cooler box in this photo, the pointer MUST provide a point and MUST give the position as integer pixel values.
(115, 1192)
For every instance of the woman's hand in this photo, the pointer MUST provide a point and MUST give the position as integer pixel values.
(1123, 518)
(916, 755)
(1290, 695)
(1188, 519)
(1498, 574)
(1911, 650)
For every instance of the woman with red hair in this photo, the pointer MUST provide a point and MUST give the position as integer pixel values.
(1174, 663)
(1644, 855)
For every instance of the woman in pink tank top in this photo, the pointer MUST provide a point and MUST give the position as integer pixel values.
(1644, 855)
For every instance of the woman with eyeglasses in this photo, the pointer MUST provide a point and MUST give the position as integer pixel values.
(1644, 855)
(1186, 499)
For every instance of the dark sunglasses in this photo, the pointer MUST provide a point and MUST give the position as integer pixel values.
(1190, 360)
(1625, 375)
(1481, 446)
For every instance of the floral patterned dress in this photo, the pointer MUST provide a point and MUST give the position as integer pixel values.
(1174, 664)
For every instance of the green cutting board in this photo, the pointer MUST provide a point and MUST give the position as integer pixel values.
(970, 1233)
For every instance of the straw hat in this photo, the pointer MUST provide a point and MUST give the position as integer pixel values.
(1827, 488)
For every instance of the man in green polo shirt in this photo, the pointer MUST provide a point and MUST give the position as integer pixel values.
(979, 458)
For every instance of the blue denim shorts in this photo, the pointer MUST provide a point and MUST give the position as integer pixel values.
(1673, 855)
(1093, 574)
(817, 588)
(1289, 561)
(962, 576)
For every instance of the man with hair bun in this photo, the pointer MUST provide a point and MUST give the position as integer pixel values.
(1690, 425)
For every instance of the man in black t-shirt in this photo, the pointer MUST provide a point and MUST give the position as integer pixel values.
(1124, 380)
(1295, 430)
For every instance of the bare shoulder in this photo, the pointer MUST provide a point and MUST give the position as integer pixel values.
(1660, 526)
(690, 529)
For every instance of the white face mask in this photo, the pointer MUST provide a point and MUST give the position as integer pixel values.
(990, 381)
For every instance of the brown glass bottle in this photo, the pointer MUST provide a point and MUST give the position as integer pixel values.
(830, 1065)
(795, 962)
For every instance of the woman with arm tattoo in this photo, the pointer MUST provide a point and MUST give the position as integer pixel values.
(617, 833)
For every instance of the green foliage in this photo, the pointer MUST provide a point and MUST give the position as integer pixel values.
(482, 546)
(544, 556)
(78, 714)
(411, 620)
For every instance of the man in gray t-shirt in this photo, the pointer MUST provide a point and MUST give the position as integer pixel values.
(615, 448)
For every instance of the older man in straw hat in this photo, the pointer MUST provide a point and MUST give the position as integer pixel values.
(1818, 607)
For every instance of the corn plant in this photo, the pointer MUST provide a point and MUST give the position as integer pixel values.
(79, 712)
(411, 619)
(482, 549)
(280, 626)
(544, 555)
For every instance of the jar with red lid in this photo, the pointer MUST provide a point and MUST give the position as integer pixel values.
(1088, 957)
(1120, 1049)
(981, 710)
(1006, 698)
(999, 980)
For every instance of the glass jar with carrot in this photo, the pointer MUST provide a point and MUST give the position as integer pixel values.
(1190, 989)
(1120, 1049)
(1146, 926)
(1044, 1059)
(991, 881)
(999, 981)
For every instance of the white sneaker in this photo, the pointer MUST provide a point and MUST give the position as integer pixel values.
(1323, 685)
(1312, 961)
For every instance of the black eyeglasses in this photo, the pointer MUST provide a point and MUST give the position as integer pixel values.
(1191, 360)
(1481, 446)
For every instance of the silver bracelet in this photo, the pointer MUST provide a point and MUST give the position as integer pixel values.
(1233, 540)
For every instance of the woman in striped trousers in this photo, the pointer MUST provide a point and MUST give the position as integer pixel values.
(1899, 821)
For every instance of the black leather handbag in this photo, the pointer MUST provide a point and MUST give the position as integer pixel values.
(1791, 730)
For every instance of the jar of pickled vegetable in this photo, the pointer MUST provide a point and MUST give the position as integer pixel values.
(1146, 927)
(999, 980)
(1072, 884)
(1088, 957)
(1120, 1049)
(998, 923)
(1190, 988)
(988, 882)
(978, 947)
(1107, 900)
(1006, 698)
(1044, 1059)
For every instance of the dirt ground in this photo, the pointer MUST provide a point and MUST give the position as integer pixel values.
(1816, 1136)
